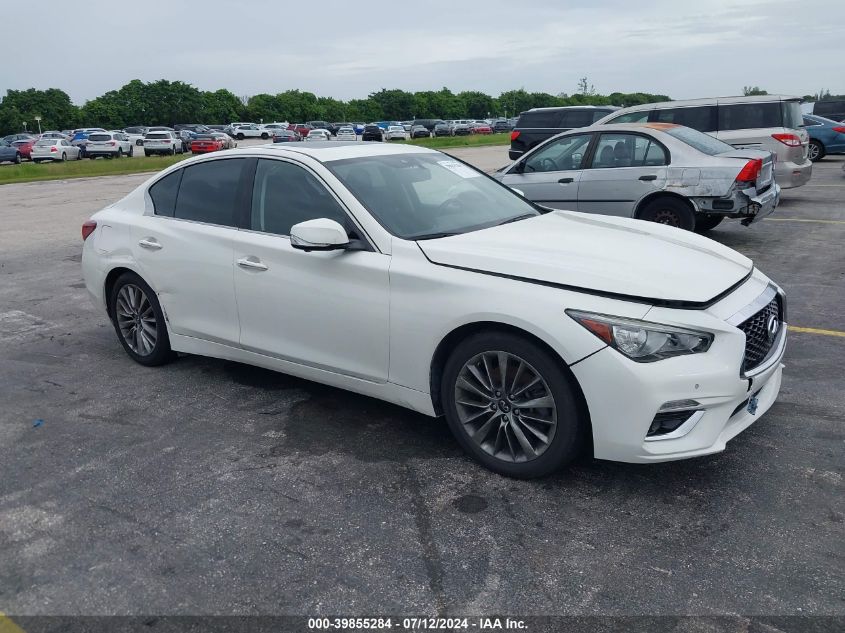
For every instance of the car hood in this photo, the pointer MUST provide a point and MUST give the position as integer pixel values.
(598, 254)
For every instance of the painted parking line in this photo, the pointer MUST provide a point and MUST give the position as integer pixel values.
(813, 330)
(805, 220)
(7, 626)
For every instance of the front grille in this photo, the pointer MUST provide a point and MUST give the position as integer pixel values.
(758, 340)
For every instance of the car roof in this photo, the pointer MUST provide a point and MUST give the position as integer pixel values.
(328, 151)
(711, 101)
(577, 107)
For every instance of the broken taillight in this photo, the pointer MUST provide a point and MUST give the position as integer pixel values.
(750, 171)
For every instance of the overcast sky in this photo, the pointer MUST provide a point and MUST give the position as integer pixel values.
(682, 48)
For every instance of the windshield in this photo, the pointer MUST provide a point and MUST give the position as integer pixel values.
(699, 140)
(421, 196)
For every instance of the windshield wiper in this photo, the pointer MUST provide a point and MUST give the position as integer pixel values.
(434, 236)
(517, 219)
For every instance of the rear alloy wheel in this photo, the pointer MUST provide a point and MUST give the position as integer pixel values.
(64, 157)
(240, 136)
(707, 222)
(815, 151)
(17, 159)
(264, 136)
(671, 211)
(510, 405)
(139, 321)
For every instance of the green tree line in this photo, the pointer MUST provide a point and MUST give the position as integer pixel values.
(166, 102)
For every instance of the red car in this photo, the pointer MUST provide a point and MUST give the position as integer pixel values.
(481, 128)
(25, 147)
(301, 128)
(205, 143)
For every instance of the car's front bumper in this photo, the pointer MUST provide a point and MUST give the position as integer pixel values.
(623, 397)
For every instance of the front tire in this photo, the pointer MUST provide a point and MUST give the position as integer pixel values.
(671, 211)
(511, 406)
(139, 321)
(815, 152)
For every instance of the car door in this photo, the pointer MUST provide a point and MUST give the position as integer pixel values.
(328, 310)
(550, 175)
(624, 168)
(184, 248)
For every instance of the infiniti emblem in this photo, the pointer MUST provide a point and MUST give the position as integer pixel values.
(772, 327)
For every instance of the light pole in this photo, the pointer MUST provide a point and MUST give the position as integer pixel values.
(38, 120)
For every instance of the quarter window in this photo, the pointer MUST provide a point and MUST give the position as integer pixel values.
(163, 193)
(285, 194)
(560, 155)
(744, 116)
(208, 191)
(628, 150)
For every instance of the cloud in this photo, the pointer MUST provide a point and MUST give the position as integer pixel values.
(348, 50)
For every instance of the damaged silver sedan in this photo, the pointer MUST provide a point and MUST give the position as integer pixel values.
(660, 172)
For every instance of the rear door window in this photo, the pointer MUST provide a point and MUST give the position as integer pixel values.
(628, 150)
(538, 119)
(577, 118)
(208, 191)
(745, 116)
(701, 118)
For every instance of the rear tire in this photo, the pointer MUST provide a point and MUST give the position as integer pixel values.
(707, 222)
(119, 152)
(131, 151)
(17, 160)
(240, 136)
(815, 152)
(671, 211)
(496, 437)
(139, 321)
(264, 136)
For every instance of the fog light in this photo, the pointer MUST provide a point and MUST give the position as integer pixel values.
(665, 423)
(674, 419)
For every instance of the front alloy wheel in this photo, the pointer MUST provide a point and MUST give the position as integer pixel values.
(512, 404)
(505, 406)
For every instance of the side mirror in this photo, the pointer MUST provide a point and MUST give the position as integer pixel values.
(321, 234)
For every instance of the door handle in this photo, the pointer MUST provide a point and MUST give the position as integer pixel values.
(651, 177)
(565, 181)
(252, 263)
(150, 243)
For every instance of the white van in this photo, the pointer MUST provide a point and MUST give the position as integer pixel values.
(769, 122)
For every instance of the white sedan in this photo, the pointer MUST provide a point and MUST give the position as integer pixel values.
(395, 132)
(54, 149)
(537, 333)
(319, 135)
(346, 134)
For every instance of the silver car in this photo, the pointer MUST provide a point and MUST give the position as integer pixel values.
(652, 171)
(767, 122)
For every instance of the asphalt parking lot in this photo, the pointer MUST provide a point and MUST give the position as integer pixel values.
(209, 487)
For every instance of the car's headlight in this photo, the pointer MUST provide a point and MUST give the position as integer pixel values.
(643, 341)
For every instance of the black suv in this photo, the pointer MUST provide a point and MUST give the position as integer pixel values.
(428, 124)
(372, 133)
(538, 124)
